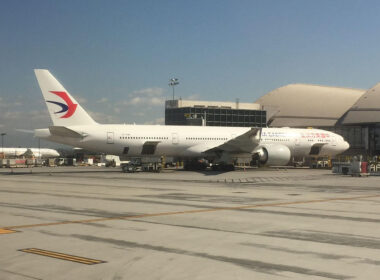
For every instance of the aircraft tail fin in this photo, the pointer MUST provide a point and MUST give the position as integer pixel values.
(64, 110)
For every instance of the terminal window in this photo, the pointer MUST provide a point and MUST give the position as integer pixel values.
(215, 117)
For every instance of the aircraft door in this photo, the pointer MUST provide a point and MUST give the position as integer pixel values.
(110, 137)
(175, 138)
(297, 141)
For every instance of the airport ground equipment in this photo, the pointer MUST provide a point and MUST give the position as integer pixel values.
(30, 162)
(51, 162)
(71, 162)
(11, 163)
(356, 168)
(137, 165)
(196, 164)
(89, 161)
(60, 161)
(112, 160)
(38, 162)
(64, 162)
(320, 163)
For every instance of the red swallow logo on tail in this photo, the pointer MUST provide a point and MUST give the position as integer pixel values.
(69, 107)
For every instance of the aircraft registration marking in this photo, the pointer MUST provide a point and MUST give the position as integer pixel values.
(62, 256)
(195, 211)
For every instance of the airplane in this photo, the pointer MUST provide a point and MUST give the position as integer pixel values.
(37, 152)
(72, 125)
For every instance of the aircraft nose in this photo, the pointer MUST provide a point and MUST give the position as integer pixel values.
(345, 145)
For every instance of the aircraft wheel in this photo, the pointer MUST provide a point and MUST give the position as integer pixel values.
(215, 167)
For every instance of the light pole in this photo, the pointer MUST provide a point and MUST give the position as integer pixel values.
(2, 142)
(39, 148)
(173, 82)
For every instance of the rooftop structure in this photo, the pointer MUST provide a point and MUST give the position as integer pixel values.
(366, 109)
(211, 113)
(300, 105)
(180, 103)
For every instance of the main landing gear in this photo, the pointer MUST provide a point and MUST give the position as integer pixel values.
(195, 165)
(223, 167)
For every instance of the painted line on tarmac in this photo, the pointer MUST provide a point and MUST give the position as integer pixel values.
(61, 256)
(6, 231)
(195, 211)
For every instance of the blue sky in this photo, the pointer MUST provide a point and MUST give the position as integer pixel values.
(116, 57)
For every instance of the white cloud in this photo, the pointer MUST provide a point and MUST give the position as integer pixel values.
(24, 115)
(80, 100)
(194, 97)
(139, 114)
(149, 92)
(157, 101)
(157, 121)
(146, 97)
(134, 101)
(102, 118)
(14, 121)
(102, 100)
(9, 105)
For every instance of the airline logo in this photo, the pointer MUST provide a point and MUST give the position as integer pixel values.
(69, 107)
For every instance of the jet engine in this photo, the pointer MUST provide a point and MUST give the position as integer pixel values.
(273, 155)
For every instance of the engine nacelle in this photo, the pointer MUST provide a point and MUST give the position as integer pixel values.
(274, 155)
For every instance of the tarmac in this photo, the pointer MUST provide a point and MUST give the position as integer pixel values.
(100, 223)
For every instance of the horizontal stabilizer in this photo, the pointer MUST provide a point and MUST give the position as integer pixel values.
(24, 130)
(65, 132)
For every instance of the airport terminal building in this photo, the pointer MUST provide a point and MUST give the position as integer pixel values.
(352, 113)
(193, 112)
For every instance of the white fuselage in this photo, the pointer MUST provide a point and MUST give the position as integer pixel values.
(191, 141)
(38, 152)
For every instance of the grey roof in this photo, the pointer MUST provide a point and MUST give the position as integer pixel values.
(301, 105)
(366, 109)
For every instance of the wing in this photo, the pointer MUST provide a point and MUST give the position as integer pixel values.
(244, 143)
